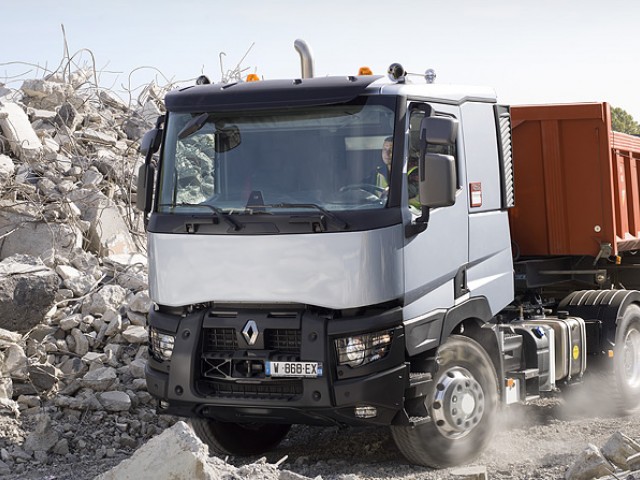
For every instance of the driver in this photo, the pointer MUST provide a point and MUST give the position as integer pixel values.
(383, 173)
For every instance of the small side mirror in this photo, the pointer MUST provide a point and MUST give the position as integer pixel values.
(438, 131)
(151, 141)
(438, 188)
(144, 193)
(437, 170)
(227, 138)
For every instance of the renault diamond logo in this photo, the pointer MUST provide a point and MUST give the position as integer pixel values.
(250, 332)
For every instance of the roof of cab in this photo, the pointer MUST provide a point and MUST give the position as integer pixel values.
(312, 91)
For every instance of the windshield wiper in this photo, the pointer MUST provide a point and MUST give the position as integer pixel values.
(236, 226)
(339, 221)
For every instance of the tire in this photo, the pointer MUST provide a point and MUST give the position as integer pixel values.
(460, 428)
(626, 362)
(238, 438)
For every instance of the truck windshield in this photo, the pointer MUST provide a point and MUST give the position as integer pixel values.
(324, 158)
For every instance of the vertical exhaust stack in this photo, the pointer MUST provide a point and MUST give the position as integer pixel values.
(306, 58)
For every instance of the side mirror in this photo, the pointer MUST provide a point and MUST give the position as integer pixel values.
(437, 170)
(144, 194)
(438, 131)
(438, 188)
(227, 138)
(151, 141)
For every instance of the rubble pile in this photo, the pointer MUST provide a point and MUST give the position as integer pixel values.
(73, 275)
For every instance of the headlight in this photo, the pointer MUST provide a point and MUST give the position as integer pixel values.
(359, 350)
(160, 344)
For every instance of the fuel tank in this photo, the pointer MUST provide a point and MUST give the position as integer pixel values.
(570, 345)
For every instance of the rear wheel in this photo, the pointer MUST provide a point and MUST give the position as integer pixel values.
(225, 438)
(626, 362)
(462, 406)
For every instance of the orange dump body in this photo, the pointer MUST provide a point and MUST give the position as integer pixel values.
(577, 183)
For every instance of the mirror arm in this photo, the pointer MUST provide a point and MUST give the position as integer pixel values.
(420, 225)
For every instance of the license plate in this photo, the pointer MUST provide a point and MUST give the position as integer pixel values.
(294, 369)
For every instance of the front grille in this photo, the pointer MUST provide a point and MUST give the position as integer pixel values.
(215, 339)
(230, 368)
(284, 340)
(284, 389)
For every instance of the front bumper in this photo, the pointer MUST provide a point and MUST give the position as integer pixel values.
(215, 373)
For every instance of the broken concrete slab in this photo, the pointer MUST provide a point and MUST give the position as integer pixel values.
(108, 233)
(28, 236)
(115, 401)
(22, 138)
(7, 168)
(189, 458)
(27, 292)
(100, 379)
(590, 464)
(43, 438)
(618, 448)
(45, 94)
(136, 334)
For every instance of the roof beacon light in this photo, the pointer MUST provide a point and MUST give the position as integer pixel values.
(396, 72)
(365, 71)
(252, 77)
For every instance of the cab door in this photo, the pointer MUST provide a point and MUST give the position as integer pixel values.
(435, 259)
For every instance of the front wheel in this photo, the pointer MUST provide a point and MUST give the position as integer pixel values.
(626, 362)
(226, 438)
(463, 406)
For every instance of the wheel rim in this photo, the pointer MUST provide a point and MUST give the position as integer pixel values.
(631, 358)
(458, 403)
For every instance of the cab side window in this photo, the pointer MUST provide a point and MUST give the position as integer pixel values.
(413, 177)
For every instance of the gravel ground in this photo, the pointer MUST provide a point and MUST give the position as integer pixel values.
(536, 441)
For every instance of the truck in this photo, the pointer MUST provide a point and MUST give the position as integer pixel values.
(290, 287)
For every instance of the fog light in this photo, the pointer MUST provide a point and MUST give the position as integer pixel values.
(161, 344)
(365, 411)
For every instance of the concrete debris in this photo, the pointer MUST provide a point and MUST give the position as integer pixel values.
(27, 292)
(470, 473)
(189, 459)
(22, 138)
(619, 458)
(589, 465)
(619, 448)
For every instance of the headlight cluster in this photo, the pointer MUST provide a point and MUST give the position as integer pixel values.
(160, 344)
(362, 349)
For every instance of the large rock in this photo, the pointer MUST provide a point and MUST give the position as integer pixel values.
(43, 376)
(100, 379)
(187, 453)
(109, 297)
(108, 233)
(115, 401)
(45, 94)
(15, 364)
(619, 448)
(28, 236)
(43, 438)
(590, 464)
(27, 292)
(16, 128)
(6, 169)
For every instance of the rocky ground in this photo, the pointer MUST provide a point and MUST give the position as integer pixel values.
(73, 305)
(539, 441)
